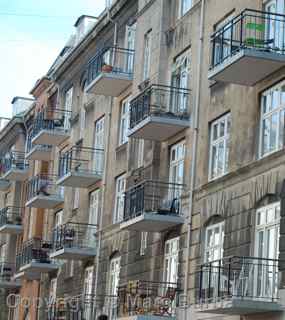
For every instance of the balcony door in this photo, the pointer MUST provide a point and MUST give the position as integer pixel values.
(114, 279)
(68, 108)
(93, 220)
(99, 143)
(274, 28)
(170, 271)
(130, 45)
(267, 233)
(88, 288)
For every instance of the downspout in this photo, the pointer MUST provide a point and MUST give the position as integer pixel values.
(100, 228)
(194, 149)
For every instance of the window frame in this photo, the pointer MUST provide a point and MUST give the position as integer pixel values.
(147, 54)
(171, 256)
(124, 121)
(220, 246)
(119, 196)
(268, 115)
(225, 139)
(181, 10)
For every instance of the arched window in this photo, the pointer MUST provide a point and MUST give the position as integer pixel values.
(214, 242)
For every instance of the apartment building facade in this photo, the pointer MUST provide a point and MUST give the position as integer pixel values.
(148, 175)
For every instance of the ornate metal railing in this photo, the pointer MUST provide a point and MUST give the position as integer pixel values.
(252, 29)
(13, 160)
(111, 60)
(239, 277)
(81, 160)
(11, 215)
(153, 197)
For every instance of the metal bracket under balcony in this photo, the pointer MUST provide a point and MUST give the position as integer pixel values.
(153, 206)
(159, 113)
(110, 72)
(11, 220)
(80, 167)
(42, 192)
(74, 241)
(239, 286)
(52, 127)
(246, 50)
(15, 167)
(39, 152)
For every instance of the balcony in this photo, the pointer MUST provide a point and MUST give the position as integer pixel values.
(153, 206)
(74, 241)
(33, 259)
(15, 167)
(7, 271)
(248, 48)
(153, 300)
(51, 127)
(80, 167)
(110, 72)
(37, 151)
(4, 184)
(239, 286)
(11, 220)
(42, 192)
(159, 113)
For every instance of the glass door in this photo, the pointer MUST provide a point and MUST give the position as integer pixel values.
(267, 249)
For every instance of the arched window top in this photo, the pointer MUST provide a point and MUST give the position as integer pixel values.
(213, 220)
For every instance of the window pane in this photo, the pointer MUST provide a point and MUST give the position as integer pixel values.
(273, 132)
(265, 136)
(222, 128)
(275, 99)
(281, 129)
(214, 161)
(221, 158)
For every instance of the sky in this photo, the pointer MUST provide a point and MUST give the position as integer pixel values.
(33, 32)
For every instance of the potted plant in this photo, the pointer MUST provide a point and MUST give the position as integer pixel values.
(107, 68)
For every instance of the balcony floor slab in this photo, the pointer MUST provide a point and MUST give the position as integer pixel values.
(158, 128)
(11, 229)
(16, 174)
(51, 137)
(44, 202)
(78, 179)
(13, 284)
(38, 267)
(110, 84)
(247, 67)
(152, 222)
(73, 254)
(38, 154)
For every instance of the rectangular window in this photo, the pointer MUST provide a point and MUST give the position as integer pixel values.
(120, 199)
(147, 55)
(130, 45)
(272, 120)
(184, 6)
(219, 147)
(68, 107)
(170, 271)
(143, 243)
(99, 143)
(94, 207)
(124, 121)
(114, 276)
(82, 122)
(52, 290)
(214, 242)
(88, 287)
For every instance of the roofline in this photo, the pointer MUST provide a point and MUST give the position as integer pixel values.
(84, 16)
(23, 98)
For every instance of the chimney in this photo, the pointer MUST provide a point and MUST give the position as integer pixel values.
(83, 25)
(20, 104)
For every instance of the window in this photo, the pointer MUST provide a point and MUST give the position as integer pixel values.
(140, 154)
(3, 252)
(120, 199)
(99, 144)
(170, 271)
(82, 122)
(147, 54)
(52, 290)
(68, 108)
(143, 243)
(184, 6)
(267, 247)
(114, 278)
(176, 167)
(272, 120)
(214, 242)
(58, 219)
(88, 287)
(219, 146)
(130, 45)
(124, 121)
(94, 205)
(76, 198)
(180, 79)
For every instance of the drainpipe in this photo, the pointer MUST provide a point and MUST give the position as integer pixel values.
(194, 149)
(100, 229)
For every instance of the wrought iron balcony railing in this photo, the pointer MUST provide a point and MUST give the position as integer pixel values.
(161, 101)
(252, 29)
(34, 250)
(30, 146)
(81, 162)
(7, 271)
(11, 216)
(113, 60)
(162, 297)
(75, 240)
(14, 160)
(239, 278)
(52, 119)
(153, 197)
(44, 186)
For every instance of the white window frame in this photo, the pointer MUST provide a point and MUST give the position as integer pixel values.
(143, 246)
(94, 207)
(52, 290)
(68, 101)
(119, 199)
(88, 290)
(147, 55)
(171, 260)
(130, 45)
(82, 122)
(178, 151)
(268, 114)
(76, 198)
(99, 143)
(114, 276)
(184, 7)
(214, 247)
(215, 143)
(124, 121)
